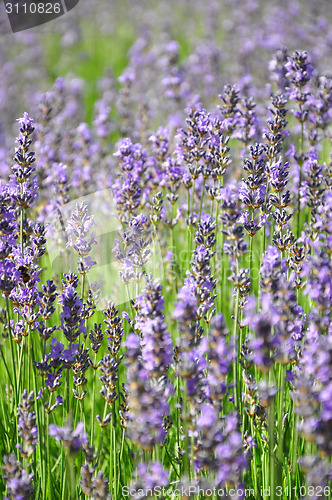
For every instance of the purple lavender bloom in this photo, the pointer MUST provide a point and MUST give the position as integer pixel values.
(279, 291)
(230, 453)
(47, 299)
(80, 225)
(53, 381)
(9, 277)
(56, 348)
(94, 486)
(8, 223)
(156, 342)
(299, 69)
(132, 182)
(207, 417)
(49, 407)
(252, 226)
(27, 428)
(279, 175)
(317, 270)
(266, 341)
(318, 472)
(102, 122)
(72, 315)
(185, 306)
(156, 346)
(52, 365)
(109, 366)
(73, 439)
(219, 355)
(252, 199)
(148, 477)
(24, 189)
(18, 480)
(26, 124)
(220, 447)
(278, 68)
(188, 355)
(136, 253)
(132, 344)
(229, 108)
(160, 142)
(289, 376)
(146, 400)
(68, 356)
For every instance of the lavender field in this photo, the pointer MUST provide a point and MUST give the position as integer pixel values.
(166, 252)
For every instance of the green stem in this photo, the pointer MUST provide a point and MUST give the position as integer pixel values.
(193, 198)
(220, 185)
(21, 227)
(255, 471)
(122, 443)
(186, 457)
(129, 300)
(235, 344)
(92, 435)
(250, 258)
(48, 465)
(64, 495)
(295, 445)
(176, 267)
(178, 412)
(154, 249)
(101, 434)
(280, 454)
(71, 484)
(12, 353)
(39, 419)
(21, 365)
(115, 462)
(29, 357)
(271, 417)
(172, 463)
(6, 367)
(67, 391)
(112, 457)
(83, 285)
(201, 202)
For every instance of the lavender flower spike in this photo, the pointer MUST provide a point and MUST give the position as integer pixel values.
(80, 238)
(18, 480)
(73, 439)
